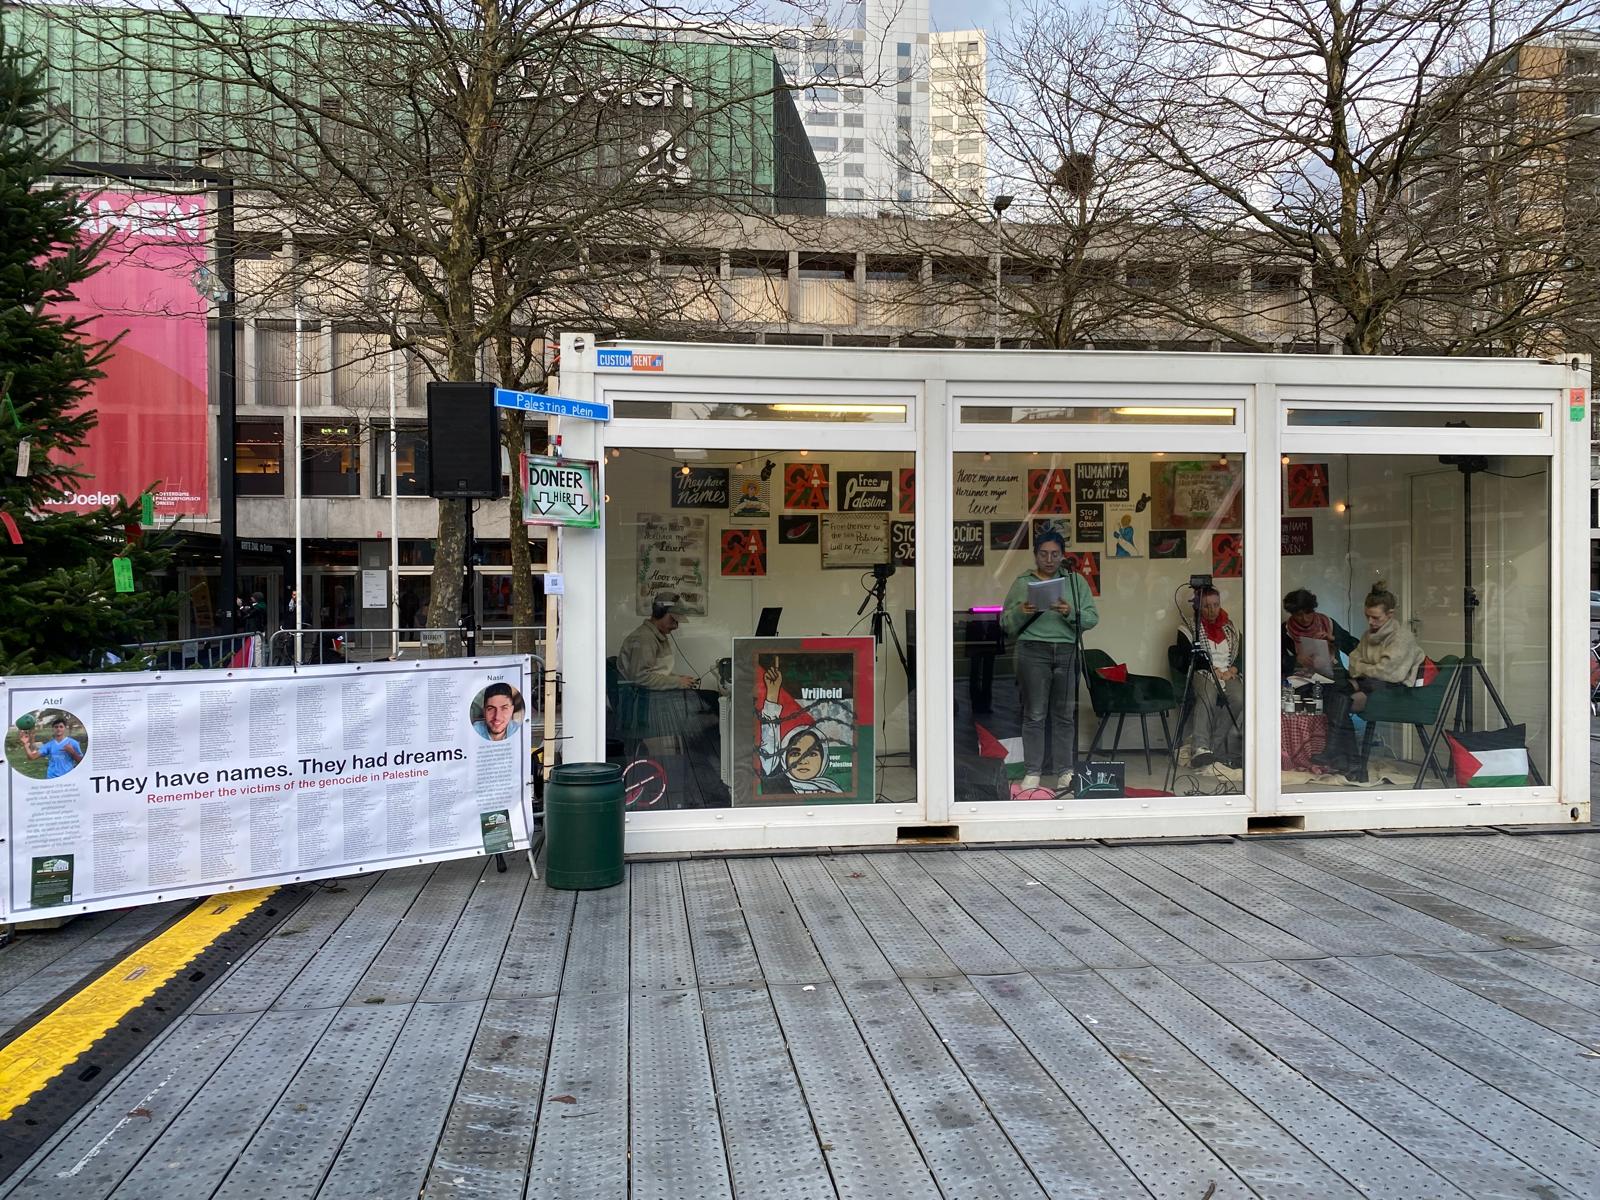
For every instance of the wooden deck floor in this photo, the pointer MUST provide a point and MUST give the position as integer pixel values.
(1408, 1017)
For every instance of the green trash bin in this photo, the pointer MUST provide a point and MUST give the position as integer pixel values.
(583, 826)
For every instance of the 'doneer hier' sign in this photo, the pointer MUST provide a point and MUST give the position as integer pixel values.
(560, 491)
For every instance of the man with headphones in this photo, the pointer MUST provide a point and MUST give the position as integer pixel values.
(646, 657)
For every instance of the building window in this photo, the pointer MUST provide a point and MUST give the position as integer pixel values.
(411, 459)
(903, 74)
(330, 459)
(855, 120)
(903, 96)
(258, 458)
(824, 144)
(852, 95)
(822, 118)
(903, 49)
(854, 194)
(855, 170)
(854, 146)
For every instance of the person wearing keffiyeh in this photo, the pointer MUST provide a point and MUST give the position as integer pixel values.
(1218, 718)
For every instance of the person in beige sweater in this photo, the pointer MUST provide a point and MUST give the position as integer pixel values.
(1386, 656)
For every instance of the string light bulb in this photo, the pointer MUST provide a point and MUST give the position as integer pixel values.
(804, 453)
(1341, 507)
(1284, 460)
(683, 470)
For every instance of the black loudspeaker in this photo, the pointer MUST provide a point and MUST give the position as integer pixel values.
(463, 441)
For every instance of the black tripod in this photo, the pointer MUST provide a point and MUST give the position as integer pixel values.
(1199, 662)
(1471, 668)
(883, 620)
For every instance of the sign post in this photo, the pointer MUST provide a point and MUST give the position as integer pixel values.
(560, 491)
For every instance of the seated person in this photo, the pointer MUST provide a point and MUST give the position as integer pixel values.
(1387, 656)
(1304, 621)
(1216, 732)
(645, 657)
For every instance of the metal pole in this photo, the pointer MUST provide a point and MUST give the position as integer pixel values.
(228, 400)
(997, 280)
(394, 517)
(299, 488)
(1469, 599)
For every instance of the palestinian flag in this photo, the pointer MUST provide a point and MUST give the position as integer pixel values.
(1008, 750)
(1498, 759)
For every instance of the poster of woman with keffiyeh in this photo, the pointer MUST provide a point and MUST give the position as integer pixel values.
(803, 721)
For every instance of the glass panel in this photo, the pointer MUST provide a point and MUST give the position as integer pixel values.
(330, 456)
(258, 458)
(1400, 418)
(784, 549)
(1153, 413)
(411, 459)
(799, 409)
(1087, 698)
(1417, 610)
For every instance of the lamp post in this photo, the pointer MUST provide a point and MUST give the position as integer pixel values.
(1001, 203)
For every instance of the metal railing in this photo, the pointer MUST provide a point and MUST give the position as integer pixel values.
(200, 653)
(310, 647)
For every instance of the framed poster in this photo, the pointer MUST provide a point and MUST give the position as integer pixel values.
(851, 540)
(1197, 494)
(986, 491)
(1089, 524)
(805, 485)
(866, 491)
(1050, 490)
(802, 724)
(1169, 543)
(673, 556)
(702, 487)
(1122, 532)
(903, 543)
(908, 490)
(1102, 483)
(751, 495)
(1306, 486)
(1227, 555)
(1085, 563)
(1008, 535)
(966, 543)
(798, 531)
(744, 552)
(1297, 539)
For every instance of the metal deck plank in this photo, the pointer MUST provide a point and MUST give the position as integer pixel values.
(663, 959)
(1233, 873)
(1394, 1035)
(1132, 929)
(1165, 1154)
(1206, 937)
(536, 954)
(399, 973)
(467, 966)
(967, 943)
(1579, 845)
(719, 938)
(488, 1133)
(580, 1146)
(87, 958)
(1251, 1111)
(1550, 975)
(1028, 944)
(200, 1146)
(30, 952)
(847, 949)
(290, 1153)
(105, 1141)
(1362, 1154)
(1083, 939)
(1448, 925)
(782, 942)
(1062, 1149)
(1469, 908)
(1548, 1053)
(1523, 858)
(597, 947)
(1487, 976)
(674, 1136)
(870, 1152)
(259, 979)
(327, 980)
(1451, 1147)
(900, 937)
(1569, 901)
(767, 1129)
(391, 1143)
(968, 1153)
(1278, 929)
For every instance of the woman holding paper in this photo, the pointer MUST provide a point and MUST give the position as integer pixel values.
(1046, 612)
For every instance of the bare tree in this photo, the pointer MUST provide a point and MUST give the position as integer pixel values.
(463, 176)
(1396, 157)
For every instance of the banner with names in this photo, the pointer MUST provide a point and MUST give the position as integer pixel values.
(126, 789)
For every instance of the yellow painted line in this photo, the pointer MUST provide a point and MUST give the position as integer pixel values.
(62, 1036)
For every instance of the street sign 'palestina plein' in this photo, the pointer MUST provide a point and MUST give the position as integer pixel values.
(556, 406)
(560, 491)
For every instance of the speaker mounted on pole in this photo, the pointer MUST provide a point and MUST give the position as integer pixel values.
(463, 441)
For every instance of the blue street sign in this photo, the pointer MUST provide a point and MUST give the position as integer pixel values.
(556, 406)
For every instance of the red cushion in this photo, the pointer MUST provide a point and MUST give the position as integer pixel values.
(1116, 674)
(1429, 670)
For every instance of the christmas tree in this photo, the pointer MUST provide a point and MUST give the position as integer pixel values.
(60, 609)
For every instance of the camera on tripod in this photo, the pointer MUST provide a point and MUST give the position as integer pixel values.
(882, 571)
(1199, 581)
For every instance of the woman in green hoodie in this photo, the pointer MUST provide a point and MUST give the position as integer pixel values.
(1047, 660)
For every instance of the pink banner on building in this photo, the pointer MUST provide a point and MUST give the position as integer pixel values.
(153, 399)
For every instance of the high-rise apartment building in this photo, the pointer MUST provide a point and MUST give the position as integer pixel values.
(957, 94)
